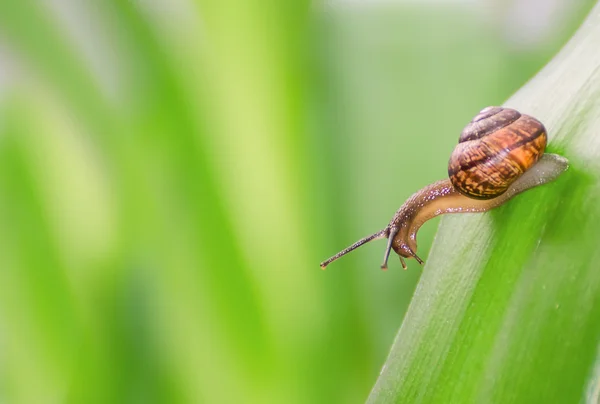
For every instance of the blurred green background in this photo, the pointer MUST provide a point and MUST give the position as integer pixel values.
(172, 173)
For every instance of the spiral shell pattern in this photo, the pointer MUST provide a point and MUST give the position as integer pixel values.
(495, 149)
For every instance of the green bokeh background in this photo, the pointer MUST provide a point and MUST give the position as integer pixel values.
(172, 173)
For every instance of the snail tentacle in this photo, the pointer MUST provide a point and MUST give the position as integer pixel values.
(393, 231)
(380, 234)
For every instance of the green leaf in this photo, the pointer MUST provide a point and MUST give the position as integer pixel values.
(508, 307)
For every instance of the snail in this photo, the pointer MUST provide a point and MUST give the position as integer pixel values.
(499, 155)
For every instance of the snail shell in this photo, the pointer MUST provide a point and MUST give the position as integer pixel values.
(495, 149)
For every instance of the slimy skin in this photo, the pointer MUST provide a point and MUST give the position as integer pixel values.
(442, 197)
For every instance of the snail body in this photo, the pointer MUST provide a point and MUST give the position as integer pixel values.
(499, 155)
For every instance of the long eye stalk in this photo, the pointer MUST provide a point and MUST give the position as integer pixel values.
(380, 234)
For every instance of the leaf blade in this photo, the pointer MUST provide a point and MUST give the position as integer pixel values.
(506, 310)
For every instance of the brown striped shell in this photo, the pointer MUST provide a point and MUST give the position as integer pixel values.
(495, 149)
